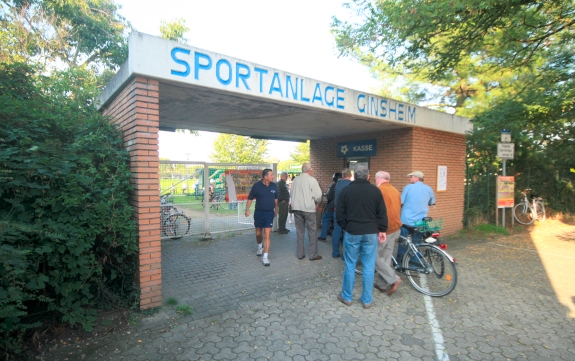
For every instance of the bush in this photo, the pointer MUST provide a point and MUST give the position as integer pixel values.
(67, 242)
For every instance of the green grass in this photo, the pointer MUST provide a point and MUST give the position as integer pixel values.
(171, 302)
(184, 310)
(486, 229)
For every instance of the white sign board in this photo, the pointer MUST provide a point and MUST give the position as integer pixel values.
(441, 178)
(505, 150)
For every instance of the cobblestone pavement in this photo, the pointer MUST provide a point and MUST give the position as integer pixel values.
(510, 303)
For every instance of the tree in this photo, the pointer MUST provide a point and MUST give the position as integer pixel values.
(231, 148)
(503, 64)
(63, 34)
(438, 35)
(67, 242)
(301, 153)
(174, 30)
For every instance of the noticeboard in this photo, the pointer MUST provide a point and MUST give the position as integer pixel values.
(240, 183)
(441, 178)
(505, 192)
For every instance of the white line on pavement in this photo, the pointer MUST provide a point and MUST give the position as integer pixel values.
(435, 329)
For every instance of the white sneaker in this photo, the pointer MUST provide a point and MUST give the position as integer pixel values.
(260, 252)
(265, 261)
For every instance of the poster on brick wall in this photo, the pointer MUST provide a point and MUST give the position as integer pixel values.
(441, 178)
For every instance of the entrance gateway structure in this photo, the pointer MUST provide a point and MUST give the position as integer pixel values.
(165, 85)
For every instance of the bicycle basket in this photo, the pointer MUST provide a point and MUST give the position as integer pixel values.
(434, 225)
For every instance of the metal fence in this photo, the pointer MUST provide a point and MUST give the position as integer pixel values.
(187, 186)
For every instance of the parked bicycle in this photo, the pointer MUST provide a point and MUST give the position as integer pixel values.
(526, 212)
(173, 223)
(215, 200)
(429, 268)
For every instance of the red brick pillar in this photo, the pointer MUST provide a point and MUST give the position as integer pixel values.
(136, 110)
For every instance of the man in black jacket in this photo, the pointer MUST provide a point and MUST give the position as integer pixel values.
(327, 216)
(362, 215)
(283, 202)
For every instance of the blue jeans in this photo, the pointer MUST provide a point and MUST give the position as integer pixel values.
(401, 249)
(364, 246)
(325, 223)
(335, 236)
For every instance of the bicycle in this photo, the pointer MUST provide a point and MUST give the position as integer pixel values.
(429, 268)
(173, 223)
(526, 213)
(215, 200)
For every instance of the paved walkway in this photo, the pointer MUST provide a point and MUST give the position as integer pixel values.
(508, 305)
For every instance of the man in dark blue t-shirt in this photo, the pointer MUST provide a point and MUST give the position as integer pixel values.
(266, 194)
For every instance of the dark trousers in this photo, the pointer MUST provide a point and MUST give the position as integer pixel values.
(282, 217)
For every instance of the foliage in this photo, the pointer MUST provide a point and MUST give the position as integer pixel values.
(437, 35)
(301, 153)
(67, 241)
(231, 148)
(285, 165)
(174, 30)
(63, 34)
(505, 65)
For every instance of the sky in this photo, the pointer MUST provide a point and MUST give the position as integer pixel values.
(293, 36)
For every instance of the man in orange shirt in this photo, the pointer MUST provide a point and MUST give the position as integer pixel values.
(385, 278)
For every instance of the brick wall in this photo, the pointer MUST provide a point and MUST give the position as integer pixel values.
(136, 110)
(400, 152)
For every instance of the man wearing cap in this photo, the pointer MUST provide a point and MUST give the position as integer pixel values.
(415, 199)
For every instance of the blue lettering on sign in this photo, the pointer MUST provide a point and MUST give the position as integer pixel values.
(386, 108)
(317, 94)
(243, 77)
(383, 105)
(262, 72)
(295, 88)
(329, 103)
(291, 86)
(302, 98)
(338, 105)
(278, 87)
(218, 71)
(181, 62)
(361, 103)
(360, 148)
(198, 65)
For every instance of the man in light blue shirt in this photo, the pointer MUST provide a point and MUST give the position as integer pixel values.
(415, 199)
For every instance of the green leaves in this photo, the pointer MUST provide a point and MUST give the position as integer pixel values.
(67, 241)
(230, 148)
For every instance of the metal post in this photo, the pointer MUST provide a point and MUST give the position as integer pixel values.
(467, 217)
(207, 234)
(503, 209)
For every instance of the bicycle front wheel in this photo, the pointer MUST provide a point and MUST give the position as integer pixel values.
(177, 226)
(523, 213)
(430, 271)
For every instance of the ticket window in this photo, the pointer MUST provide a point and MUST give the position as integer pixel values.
(353, 163)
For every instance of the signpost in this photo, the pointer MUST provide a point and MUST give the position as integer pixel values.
(505, 150)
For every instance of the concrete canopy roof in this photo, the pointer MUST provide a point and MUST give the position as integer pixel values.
(207, 91)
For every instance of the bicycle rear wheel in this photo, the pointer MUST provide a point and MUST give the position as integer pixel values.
(177, 226)
(540, 211)
(430, 271)
(524, 213)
